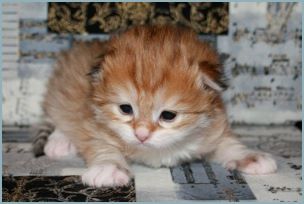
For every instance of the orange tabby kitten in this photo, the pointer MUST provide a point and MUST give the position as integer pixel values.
(150, 95)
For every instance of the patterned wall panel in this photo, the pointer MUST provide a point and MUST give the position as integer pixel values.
(10, 56)
(263, 61)
(207, 18)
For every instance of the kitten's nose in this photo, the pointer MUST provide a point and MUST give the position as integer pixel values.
(142, 133)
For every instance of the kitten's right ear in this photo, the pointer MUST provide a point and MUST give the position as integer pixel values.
(96, 70)
(212, 76)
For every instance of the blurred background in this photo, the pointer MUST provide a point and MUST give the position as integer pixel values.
(259, 44)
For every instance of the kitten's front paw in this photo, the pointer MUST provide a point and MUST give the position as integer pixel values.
(259, 163)
(59, 147)
(105, 175)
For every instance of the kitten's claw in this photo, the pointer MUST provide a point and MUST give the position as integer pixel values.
(105, 175)
(259, 163)
(59, 147)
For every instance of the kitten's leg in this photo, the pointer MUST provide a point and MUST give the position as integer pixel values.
(59, 146)
(107, 167)
(40, 136)
(234, 155)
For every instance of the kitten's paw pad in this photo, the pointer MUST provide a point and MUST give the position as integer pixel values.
(105, 175)
(59, 148)
(254, 164)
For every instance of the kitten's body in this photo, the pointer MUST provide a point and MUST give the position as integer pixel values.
(152, 69)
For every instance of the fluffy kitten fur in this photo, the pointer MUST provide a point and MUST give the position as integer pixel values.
(154, 69)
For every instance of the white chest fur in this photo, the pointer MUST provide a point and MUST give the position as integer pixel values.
(167, 156)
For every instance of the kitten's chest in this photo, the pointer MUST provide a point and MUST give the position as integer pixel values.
(167, 157)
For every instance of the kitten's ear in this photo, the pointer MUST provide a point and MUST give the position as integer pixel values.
(96, 70)
(212, 75)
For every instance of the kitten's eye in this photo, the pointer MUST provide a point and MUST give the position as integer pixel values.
(167, 115)
(126, 109)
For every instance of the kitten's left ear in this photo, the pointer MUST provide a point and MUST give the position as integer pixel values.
(212, 75)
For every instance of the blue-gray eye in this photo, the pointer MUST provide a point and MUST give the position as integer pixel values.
(167, 115)
(126, 109)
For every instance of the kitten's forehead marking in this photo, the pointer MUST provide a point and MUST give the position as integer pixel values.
(126, 92)
(145, 102)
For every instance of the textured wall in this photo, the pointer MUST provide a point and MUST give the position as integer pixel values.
(261, 54)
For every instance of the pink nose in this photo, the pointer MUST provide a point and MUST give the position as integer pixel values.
(142, 133)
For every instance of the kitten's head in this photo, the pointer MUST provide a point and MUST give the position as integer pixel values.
(157, 85)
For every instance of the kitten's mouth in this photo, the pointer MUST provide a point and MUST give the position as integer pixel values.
(143, 145)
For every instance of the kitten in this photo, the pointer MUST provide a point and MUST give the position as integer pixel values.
(150, 95)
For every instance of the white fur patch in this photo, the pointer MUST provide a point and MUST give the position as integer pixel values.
(125, 132)
(59, 146)
(168, 156)
(105, 175)
(163, 138)
(168, 136)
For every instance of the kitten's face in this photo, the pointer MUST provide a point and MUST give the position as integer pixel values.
(152, 119)
(150, 98)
